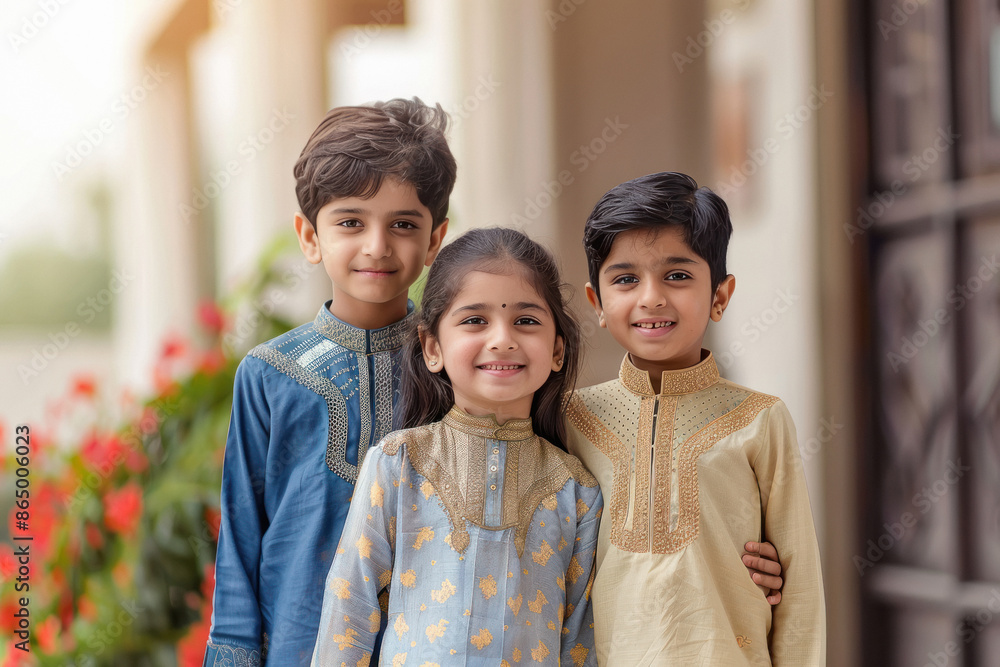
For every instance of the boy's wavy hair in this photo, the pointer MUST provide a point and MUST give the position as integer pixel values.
(655, 202)
(425, 397)
(355, 148)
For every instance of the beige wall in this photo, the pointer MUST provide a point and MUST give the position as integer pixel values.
(617, 90)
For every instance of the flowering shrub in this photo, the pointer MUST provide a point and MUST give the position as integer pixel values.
(124, 511)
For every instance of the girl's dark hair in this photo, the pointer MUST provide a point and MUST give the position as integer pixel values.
(654, 202)
(426, 397)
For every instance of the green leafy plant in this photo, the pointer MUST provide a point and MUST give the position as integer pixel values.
(124, 511)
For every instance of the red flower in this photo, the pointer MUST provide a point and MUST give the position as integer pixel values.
(212, 361)
(208, 585)
(47, 511)
(48, 633)
(17, 658)
(174, 347)
(84, 386)
(211, 317)
(87, 609)
(8, 565)
(213, 517)
(123, 509)
(98, 454)
(94, 537)
(136, 461)
(191, 648)
(8, 622)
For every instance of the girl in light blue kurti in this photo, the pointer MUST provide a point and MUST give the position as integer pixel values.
(472, 528)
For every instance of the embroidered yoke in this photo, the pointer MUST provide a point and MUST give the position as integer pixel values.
(690, 475)
(484, 536)
(306, 407)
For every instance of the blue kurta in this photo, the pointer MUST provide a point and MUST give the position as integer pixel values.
(306, 407)
(484, 537)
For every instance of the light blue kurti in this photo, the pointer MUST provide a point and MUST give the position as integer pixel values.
(484, 536)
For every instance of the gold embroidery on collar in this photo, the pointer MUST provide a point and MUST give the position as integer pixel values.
(454, 462)
(605, 440)
(487, 427)
(386, 339)
(684, 381)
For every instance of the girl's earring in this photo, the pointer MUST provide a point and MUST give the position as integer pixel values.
(433, 362)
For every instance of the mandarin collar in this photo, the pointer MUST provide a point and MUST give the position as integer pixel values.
(512, 430)
(386, 339)
(683, 381)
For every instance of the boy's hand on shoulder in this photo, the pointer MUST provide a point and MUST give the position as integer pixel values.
(762, 561)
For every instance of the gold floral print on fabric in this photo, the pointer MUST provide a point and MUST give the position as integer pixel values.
(452, 457)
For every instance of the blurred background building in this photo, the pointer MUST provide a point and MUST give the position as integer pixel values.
(147, 155)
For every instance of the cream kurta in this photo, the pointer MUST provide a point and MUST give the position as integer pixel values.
(688, 477)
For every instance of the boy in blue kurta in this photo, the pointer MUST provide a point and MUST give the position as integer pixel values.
(373, 185)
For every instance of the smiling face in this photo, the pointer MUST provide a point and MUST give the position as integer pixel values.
(657, 299)
(373, 250)
(497, 341)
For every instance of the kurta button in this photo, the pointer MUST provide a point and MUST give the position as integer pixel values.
(493, 468)
(496, 450)
(493, 487)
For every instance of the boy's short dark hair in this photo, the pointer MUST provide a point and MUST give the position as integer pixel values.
(355, 148)
(654, 202)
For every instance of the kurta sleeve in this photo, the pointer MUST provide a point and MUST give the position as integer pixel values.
(235, 637)
(578, 625)
(798, 628)
(361, 568)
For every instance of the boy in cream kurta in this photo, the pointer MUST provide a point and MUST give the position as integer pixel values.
(691, 466)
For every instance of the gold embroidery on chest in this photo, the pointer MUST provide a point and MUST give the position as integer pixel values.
(630, 520)
(663, 453)
(453, 463)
